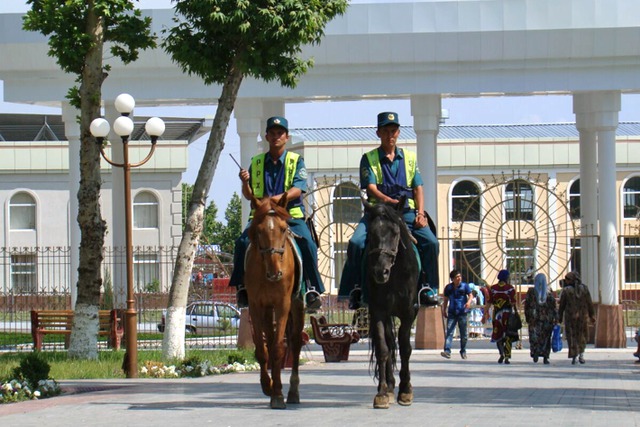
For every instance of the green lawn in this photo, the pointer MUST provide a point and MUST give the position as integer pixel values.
(109, 363)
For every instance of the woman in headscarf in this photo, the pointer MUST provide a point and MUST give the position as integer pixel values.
(541, 314)
(576, 309)
(502, 298)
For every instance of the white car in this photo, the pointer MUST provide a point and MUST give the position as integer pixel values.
(205, 317)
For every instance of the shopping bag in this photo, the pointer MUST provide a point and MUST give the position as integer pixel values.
(556, 339)
(514, 324)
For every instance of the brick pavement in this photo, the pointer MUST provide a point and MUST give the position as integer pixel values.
(455, 392)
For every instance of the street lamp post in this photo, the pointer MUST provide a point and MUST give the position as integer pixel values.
(123, 126)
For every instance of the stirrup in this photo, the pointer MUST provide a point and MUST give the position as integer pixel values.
(431, 299)
(316, 302)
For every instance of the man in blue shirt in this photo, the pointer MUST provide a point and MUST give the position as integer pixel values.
(457, 302)
(388, 173)
(272, 174)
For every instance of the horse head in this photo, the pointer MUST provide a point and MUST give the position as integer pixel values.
(268, 232)
(386, 228)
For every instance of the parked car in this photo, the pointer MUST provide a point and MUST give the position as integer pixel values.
(205, 317)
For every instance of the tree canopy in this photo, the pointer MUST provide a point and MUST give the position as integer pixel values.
(261, 39)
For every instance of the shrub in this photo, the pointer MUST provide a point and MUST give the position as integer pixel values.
(33, 368)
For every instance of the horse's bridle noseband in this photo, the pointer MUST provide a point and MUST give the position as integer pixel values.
(390, 252)
(272, 250)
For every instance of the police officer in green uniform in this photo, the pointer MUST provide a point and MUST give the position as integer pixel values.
(388, 173)
(271, 175)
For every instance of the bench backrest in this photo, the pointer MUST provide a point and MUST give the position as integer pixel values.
(63, 319)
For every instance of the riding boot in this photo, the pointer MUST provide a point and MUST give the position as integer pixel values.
(427, 296)
(242, 299)
(312, 300)
(355, 297)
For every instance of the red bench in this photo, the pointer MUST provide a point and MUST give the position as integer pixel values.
(335, 338)
(59, 322)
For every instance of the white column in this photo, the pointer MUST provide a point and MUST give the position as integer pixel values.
(72, 132)
(608, 215)
(589, 208)
(426, 111)
(248, 114)
(597, 121)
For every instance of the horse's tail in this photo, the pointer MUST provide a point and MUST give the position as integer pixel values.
(391, 344)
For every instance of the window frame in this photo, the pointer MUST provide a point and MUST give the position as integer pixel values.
(31, 215)
(513, 194)
(146, 205)
(627, 194)
(464, 200)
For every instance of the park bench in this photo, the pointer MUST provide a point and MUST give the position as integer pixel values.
(59, 322)
(335, 338)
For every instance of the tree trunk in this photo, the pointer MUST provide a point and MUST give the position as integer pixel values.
(84, 334)
(173, 340)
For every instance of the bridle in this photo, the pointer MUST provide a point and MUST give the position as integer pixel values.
(392, 253)
(273, 250)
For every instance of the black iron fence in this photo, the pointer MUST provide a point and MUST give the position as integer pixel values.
(40, 278)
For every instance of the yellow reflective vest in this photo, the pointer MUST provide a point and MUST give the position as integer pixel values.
(257, 178)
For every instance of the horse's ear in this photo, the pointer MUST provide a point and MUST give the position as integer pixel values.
(283, 200)
(253, 202)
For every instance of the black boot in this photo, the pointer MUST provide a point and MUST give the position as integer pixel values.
(355, 297)
(427, 297)
(242, 299)
(312, 301)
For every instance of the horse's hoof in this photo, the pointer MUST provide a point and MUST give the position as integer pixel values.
(277, 402)
(381, 402)
(293, 398)
(405, 399)
(391, 397)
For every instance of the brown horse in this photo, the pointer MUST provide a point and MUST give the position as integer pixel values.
(275, 305)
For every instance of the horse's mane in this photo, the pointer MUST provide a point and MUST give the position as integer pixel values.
(267, 206)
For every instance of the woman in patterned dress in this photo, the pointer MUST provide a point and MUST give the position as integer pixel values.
(576, 308)
(541, 314)
(502, 298)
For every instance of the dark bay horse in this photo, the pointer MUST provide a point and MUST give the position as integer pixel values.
(275, 306)
(391, 280)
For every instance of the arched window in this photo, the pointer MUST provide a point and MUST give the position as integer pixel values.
(631, 197)
(347, 205)
(574, 200)
(145, 210)
(463, 207)
(518, 201)
(22, 212)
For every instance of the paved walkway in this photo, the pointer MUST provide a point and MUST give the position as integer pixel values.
(473, 392)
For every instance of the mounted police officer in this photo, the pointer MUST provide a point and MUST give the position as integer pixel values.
(388, 173)
(272, 174)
